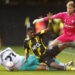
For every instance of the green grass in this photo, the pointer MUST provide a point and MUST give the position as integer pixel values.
(62, 57)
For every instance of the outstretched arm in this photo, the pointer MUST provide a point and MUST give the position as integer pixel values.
(26, 56)
(26, 48)
(43, 32)
(49, 26)
(42, 19)
(56, 16)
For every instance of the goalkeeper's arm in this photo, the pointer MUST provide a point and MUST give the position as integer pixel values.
(42, 19)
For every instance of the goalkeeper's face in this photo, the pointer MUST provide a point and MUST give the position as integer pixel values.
(70, 9)
(31, 33)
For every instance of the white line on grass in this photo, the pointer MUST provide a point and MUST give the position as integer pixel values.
(68, 53)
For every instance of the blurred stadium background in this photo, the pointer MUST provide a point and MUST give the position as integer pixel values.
(13, 15)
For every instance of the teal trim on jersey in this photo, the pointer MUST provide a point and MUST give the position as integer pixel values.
(31, 64)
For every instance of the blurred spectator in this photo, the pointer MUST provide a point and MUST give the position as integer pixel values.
(7, 1)
(27, 25)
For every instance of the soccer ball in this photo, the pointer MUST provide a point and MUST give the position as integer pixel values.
(9, 64)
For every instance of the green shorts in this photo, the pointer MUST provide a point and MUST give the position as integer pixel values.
(31, 64)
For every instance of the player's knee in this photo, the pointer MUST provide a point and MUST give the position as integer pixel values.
(53, 65)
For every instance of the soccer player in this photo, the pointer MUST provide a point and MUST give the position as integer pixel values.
(12, 61)
(68, 19)
(44, 54)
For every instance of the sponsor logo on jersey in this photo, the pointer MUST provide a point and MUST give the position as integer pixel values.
(36, 46)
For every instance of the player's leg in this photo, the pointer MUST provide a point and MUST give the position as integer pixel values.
(45, 67)
(56, 65)
(54, 51)
(70, 63)
(54, 43)
(53, 65)
(59, 67)
(41, 67)
(59, 40)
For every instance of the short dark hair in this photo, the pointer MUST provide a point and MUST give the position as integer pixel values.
(28, 29)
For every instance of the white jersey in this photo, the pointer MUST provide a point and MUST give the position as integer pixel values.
(9, 55)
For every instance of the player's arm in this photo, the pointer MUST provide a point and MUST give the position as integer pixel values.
(56, 16)
(42, 19)
(26, 54)
(49, 26)
(26, 51)
(43, 32)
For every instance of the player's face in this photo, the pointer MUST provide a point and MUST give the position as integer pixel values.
(31, 33)
(70, 9)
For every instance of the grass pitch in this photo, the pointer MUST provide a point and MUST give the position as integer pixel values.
(65, 56)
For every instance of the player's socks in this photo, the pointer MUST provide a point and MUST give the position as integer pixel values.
(67, 68)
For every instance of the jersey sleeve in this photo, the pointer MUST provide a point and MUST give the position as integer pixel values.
(46, 18)
(41, 34)
(59, 16)
(26, 48)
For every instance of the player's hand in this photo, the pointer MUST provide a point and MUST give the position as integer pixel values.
(24, 62)
(37, 20)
